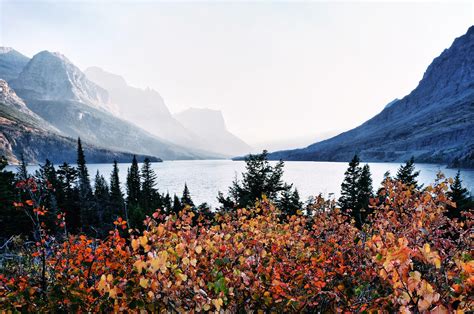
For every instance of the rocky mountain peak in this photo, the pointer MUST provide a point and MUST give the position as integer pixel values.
(11, 63)
(52, 76)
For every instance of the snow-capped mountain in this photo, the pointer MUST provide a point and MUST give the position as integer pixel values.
(11, 63)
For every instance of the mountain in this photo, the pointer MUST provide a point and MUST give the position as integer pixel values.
(210, 127)
(197, 128)
(11, 63)
(23, 132)
(51, 76)
(434, 123)
(144, 107)
(57, 91)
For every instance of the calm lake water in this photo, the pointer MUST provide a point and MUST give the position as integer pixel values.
(206, 177)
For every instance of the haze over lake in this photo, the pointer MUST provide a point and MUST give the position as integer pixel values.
(205, 178)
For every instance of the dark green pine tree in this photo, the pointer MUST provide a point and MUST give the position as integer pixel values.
(177, 206)
(186, 198)
(459, 195)
(289, 202)
(22, 169)
(84, 182)
(407, 174)
(89, 208)
(102, 203)
(116, 195)
(133, 184)
(12, 220)
(260, 178)
(167, 203)
(349, 188)
(365, 193)
(149, 198)
(68, 197)
(48, 178)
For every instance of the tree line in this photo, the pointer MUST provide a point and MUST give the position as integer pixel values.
(67, 191)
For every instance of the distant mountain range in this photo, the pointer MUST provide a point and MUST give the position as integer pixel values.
(201, 129)
(99, 107)
(434, 123)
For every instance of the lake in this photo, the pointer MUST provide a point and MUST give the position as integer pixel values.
(206, 177)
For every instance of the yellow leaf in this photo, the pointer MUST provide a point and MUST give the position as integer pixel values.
(218, 303)
(144, 283)
(135, 244)
(427, 248)
(198, 249)
(160, 229)
(143, 240)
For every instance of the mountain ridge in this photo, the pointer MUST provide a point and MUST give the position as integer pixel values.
(416, 125)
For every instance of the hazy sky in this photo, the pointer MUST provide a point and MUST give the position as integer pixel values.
(277, 70)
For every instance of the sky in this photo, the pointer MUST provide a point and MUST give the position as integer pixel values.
(278, 70)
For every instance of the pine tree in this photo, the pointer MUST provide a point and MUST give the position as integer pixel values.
(68, 197)
(149, 194)
(459, 195)
(289, 202)
(177, 207)
(186, 198)
(407, 174)
(365, 192)
(85, 188)
(349, 187)
(260, 178)
(167, 204)
(22, 169)
(12, 221)
(116, 195)
(133, 184)
(101, 189)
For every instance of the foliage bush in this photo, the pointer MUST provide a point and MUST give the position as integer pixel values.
(409, 257)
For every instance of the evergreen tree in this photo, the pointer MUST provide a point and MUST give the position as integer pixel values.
(177, 207)
(349, 188)
(22, 169)
(133, 184)
(459, 195)
(68, 196)
(101, 189)
(47, 177)
(167, 204)
(12, 221)
(356, 191)
(149, 195)
(85, 188)
(289, 202)
(116, 195)
(186, 198)
(103, 210)
(260, 178)
(407, 174)
(365, 192)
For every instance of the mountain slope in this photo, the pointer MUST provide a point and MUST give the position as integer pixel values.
(209, 125)
(144, 107)
(61, 94)
(434, 123)
(11, 63)
(23, 132)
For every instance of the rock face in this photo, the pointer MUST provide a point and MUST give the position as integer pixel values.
(197, 128)
(23, 132)
(11, 63)
(51, 76)
(61, 94)
(434, 123)
(210, 127)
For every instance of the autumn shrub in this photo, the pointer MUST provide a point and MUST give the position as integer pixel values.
(410, 257)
